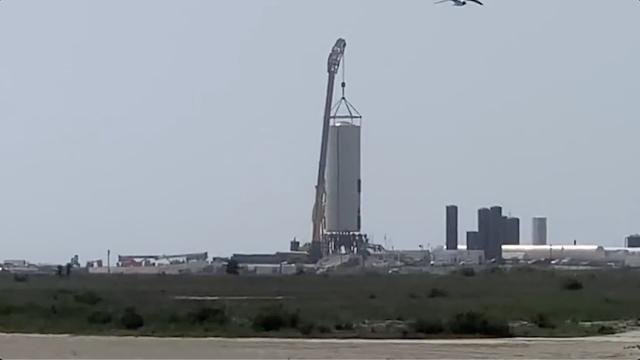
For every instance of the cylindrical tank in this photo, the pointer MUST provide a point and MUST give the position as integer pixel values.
(539, 231)
(343, 178)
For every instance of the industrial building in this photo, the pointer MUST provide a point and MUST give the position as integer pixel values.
(292, 257)
(484, 219)
(494, 230)
(458, 257)
(633, 241)
(512, 231)
(473, 241)
(584, 255)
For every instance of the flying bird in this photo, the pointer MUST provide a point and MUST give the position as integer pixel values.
(459, 2)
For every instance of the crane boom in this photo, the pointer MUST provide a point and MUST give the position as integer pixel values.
(333, 65)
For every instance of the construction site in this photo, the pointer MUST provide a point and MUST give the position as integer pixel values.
(338, 242)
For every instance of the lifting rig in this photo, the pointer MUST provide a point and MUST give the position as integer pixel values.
(318, 246)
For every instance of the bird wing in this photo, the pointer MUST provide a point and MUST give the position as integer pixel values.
(477, 2)
(441, 1)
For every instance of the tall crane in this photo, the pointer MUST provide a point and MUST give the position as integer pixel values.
(333, 65)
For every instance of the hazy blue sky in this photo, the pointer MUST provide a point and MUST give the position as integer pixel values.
(162, 126)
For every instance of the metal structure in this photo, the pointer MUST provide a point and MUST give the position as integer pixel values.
(343, 178)
(336, 210)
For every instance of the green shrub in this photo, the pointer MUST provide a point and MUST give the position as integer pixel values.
(413, 296)
(473, 323)
(372, 296)
(99, 317)
(468, 272)
(88, 298)
(495, 270)
(542, 321)
(7, 310)
(268, 322)
(572, 284)
(20, 277)
(606, 330)
(324, 329)
(274, 319)
(131, 320)
(437, 293)
(524, 269)
(306, 328)
(208, 315)
(428, 326)
(344, 326)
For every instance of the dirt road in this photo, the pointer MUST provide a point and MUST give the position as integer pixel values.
(622, 346)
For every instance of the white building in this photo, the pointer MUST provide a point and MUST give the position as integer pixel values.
(442, 257)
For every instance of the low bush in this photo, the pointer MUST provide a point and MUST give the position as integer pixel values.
(20, 277)
(344, 326)
(572, 284)
(208, 315)
(324, 329)
(495, 270)
(542, 321)
(7, 310)
(99, 317)
(468, 272)
(306, 328)
(474, 323)
(437, 293)
(606, 330)
(428, 326)
(131, 320)
(87, 298)
(274, 319)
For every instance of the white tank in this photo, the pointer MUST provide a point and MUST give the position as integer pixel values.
(343, 178)
(539, 231)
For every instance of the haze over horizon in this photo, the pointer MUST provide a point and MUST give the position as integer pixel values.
(158, 126)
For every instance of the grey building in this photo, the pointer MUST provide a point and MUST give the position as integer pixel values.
(512, 231)
(633, 241)
(484, 219)
(493, 248)
(452, 227)
(473, 241)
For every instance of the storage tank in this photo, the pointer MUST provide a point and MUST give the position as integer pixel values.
(539, 231)
(343, 178)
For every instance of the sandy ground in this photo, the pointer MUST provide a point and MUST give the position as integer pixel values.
(623, 346)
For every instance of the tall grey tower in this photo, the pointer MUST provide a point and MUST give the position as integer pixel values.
(539, 231)
(452, 227)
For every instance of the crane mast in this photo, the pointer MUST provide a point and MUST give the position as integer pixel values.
(317, 247)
